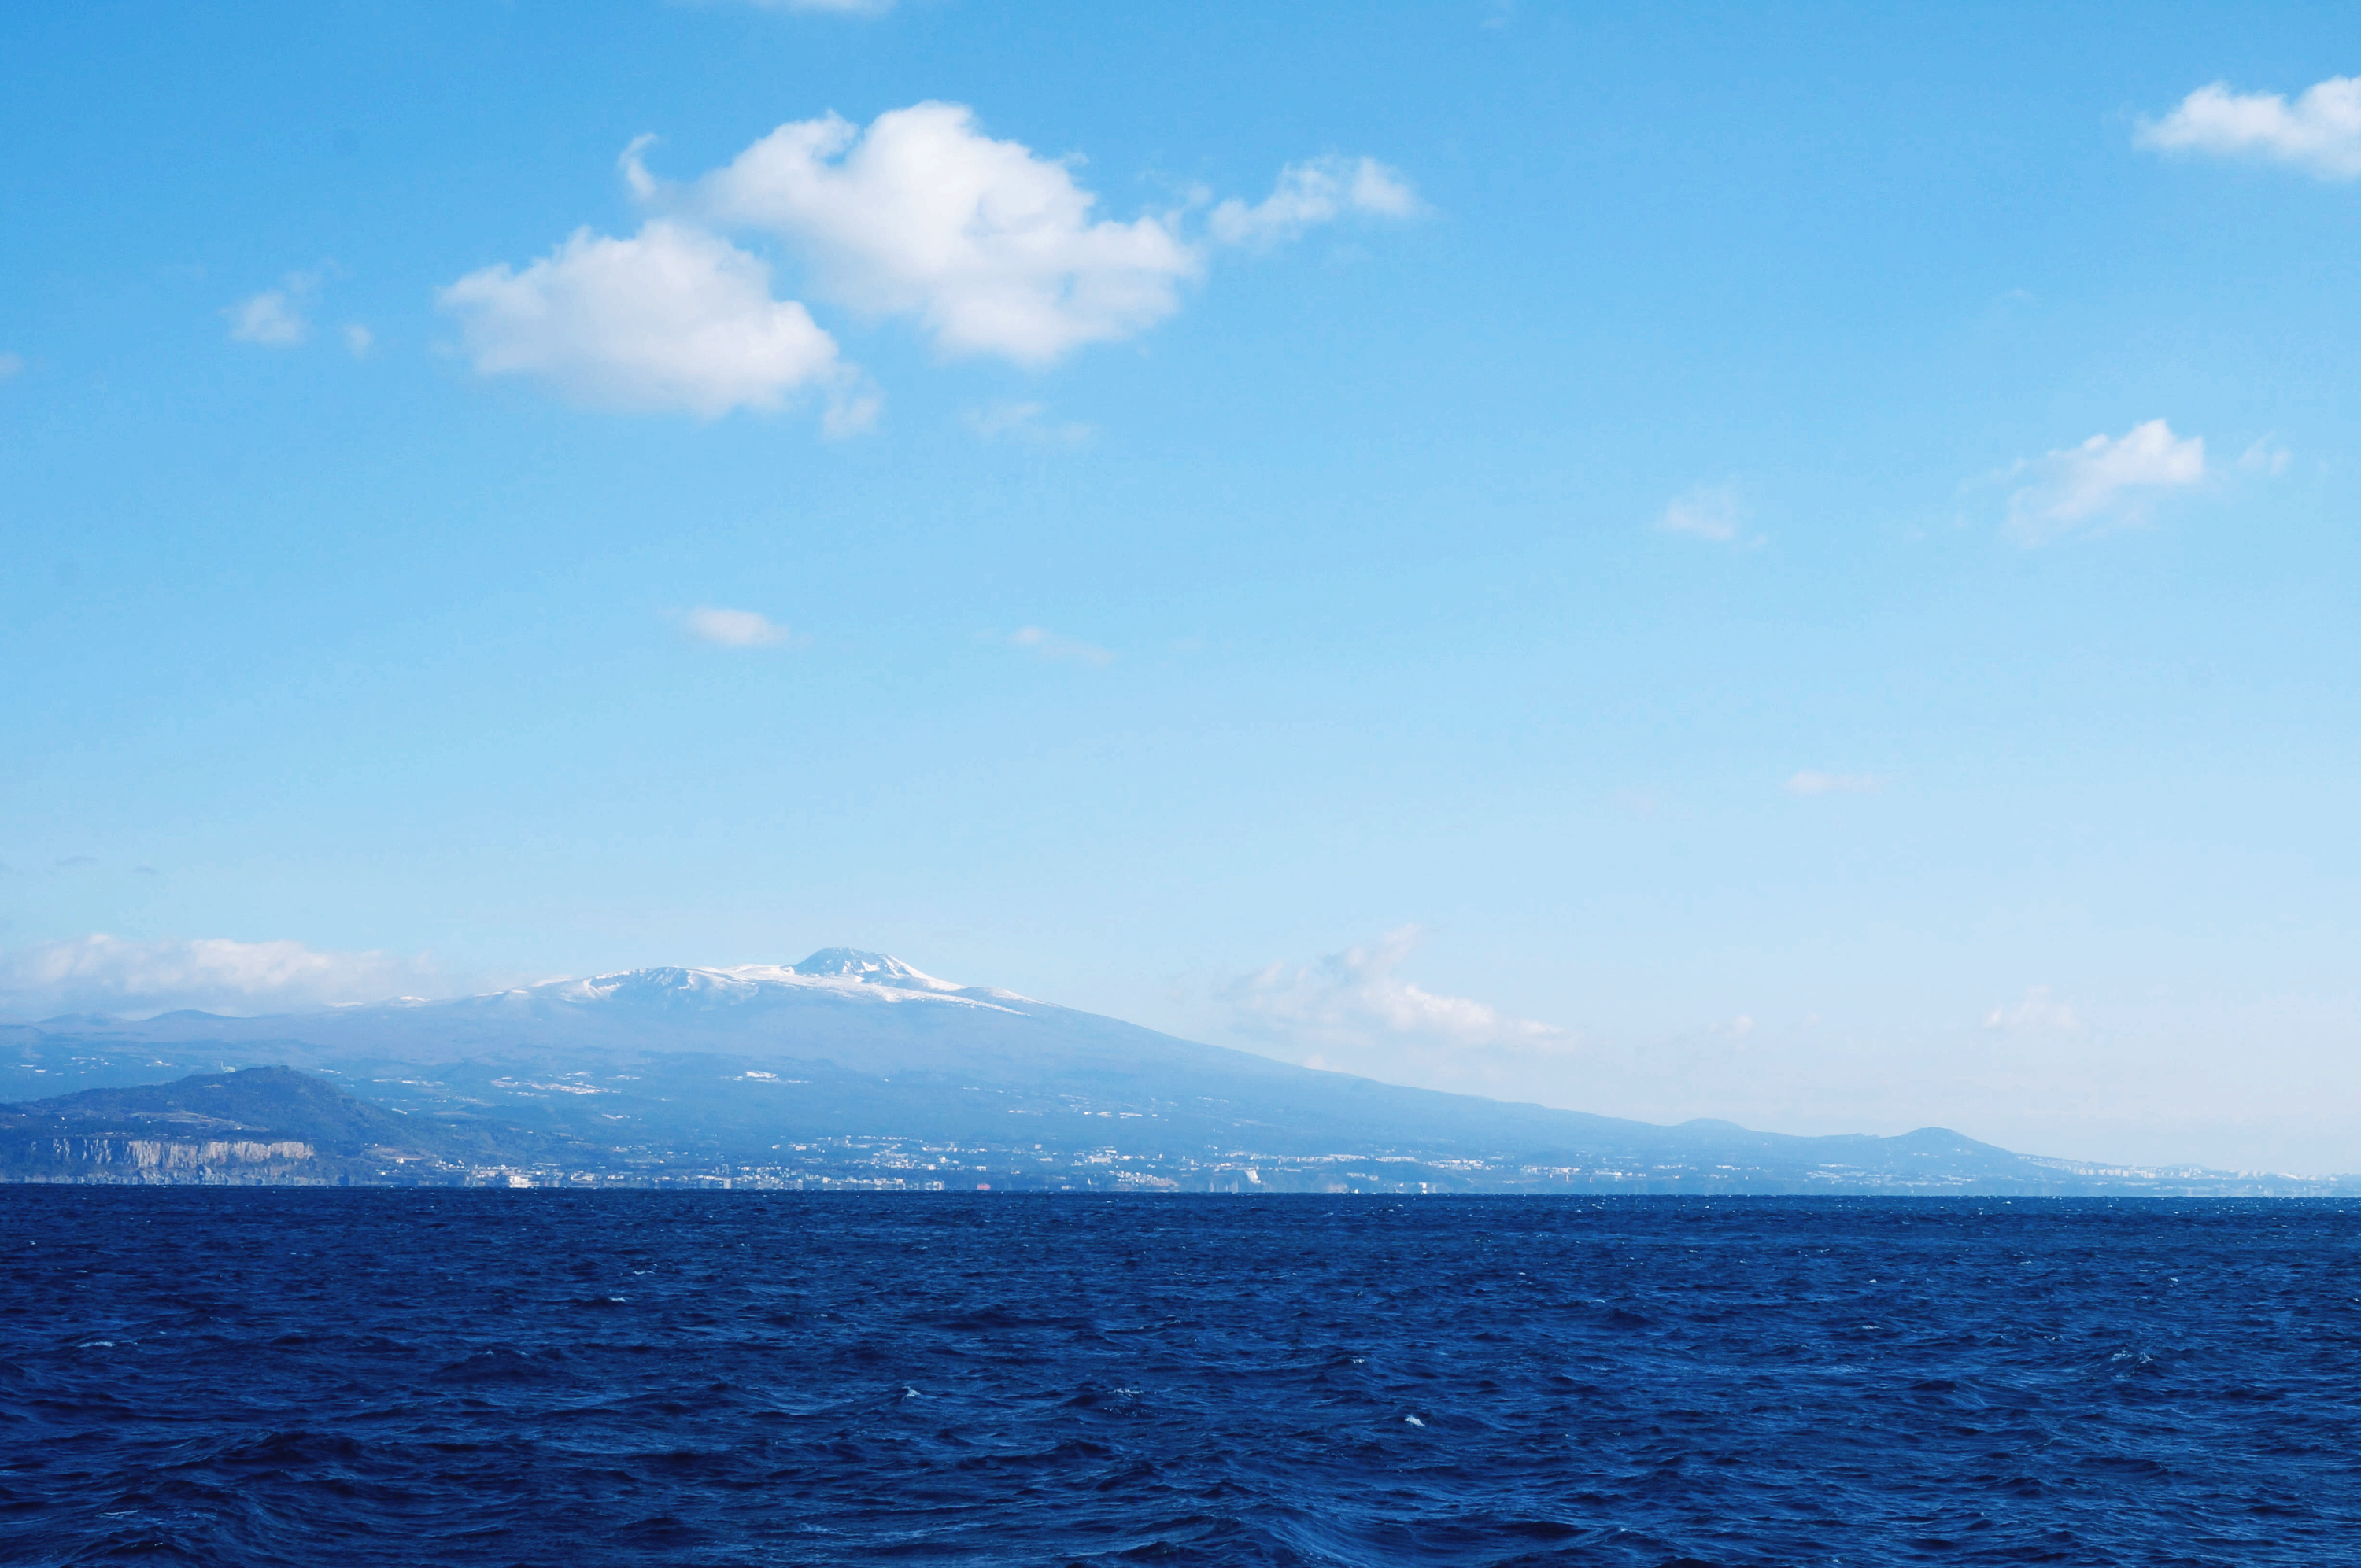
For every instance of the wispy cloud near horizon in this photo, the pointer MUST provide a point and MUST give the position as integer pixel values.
(101, 974)
(1352, 1011)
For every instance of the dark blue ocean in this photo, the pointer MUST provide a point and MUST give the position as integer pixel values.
(330, 1379)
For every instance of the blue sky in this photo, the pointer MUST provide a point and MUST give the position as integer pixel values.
(1790, 563)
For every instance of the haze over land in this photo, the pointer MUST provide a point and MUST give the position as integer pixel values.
(1788, 567)
(2027, 1078)
(854, 1069)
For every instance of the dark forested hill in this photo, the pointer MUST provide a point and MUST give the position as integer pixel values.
(265, 1124)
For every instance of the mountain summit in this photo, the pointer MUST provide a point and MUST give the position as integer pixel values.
(873, 969)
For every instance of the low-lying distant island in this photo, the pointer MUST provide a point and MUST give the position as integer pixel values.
(855, 1071)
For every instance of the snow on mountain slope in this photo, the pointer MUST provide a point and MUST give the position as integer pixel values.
(711, 998)
(672, 991)
(868, 1012)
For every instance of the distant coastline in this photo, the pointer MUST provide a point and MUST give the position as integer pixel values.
(274, 1126)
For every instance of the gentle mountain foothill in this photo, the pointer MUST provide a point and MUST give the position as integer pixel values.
(853, 1070)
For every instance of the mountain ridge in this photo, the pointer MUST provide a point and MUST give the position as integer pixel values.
(767, 1067)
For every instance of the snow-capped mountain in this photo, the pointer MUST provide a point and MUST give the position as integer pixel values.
(839, 973)
(863, 1012)
(746, 1060)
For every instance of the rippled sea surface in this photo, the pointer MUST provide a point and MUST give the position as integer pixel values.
(319, 1378)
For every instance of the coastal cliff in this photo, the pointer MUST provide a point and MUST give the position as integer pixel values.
(146, 1155)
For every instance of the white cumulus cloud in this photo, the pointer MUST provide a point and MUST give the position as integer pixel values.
(2035, 1011)
(276, 318)
(2108, 482)
(2319, 132)
(736, 628)
(994, 249)
(1317, 191)
(1355, 1013)
(99, 973)
(988, 246)
(671, 318)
